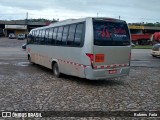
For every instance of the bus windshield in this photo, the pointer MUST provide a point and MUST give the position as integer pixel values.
(108, 33)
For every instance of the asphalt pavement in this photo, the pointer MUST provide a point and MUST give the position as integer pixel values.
(143, 58)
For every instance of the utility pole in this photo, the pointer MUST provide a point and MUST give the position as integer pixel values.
(26, 21)
(119, 17)
(27, 16)
(97, 14)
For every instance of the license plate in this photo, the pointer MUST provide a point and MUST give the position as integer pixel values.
(112, 71)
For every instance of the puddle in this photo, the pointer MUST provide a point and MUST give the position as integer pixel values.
(4, 63)
(23, 64)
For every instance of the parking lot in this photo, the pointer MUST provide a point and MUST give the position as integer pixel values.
(26, 87)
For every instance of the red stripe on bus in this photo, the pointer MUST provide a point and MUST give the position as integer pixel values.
(114, 65)
(95, 66)
(84, 66)
(102, 66)
(108, 66)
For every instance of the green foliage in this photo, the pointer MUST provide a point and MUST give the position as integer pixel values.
(142, 47)
(157, 24)
(41, 20)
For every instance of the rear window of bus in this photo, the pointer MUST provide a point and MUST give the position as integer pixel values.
(108, 33)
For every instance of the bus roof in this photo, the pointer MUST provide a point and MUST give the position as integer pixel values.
(71, 21)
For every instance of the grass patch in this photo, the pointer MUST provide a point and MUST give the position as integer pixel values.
(142, 47)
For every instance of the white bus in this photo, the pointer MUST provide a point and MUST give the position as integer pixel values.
(92, 48)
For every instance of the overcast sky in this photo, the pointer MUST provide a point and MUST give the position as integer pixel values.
(129, 10)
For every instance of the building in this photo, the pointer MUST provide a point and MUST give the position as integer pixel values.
(19, 26)
(16, 29)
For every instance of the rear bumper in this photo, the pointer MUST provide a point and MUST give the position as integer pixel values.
(96, 74)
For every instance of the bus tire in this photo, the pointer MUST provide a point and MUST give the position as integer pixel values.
(55, 69)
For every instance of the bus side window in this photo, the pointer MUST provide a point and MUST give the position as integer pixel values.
(78, 35)
(46, 38)
(65, 35)
(37, 39)
(35, 32)
(39, 36)
(54, 36)
(59, 36)
(50, 36)
(29, 39)
(32, 37)
(71, 34)
(42, 37)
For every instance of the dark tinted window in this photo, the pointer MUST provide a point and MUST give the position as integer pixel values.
(71, 34)
(111, 33)
(36, 40)
(34, 35)
(39, 37)
(65, 35)
(46, 37)
(30, 38)
(50, 41)
(59, 36)
(78, 35)
(42, 37)
(54, 36)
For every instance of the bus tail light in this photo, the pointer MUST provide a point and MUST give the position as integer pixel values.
(91, 56)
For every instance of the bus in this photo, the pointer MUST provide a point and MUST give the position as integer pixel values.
(93, 48)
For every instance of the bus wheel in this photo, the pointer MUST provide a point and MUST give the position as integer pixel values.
(56, 70)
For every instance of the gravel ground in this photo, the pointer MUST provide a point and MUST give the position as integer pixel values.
(26, 87)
